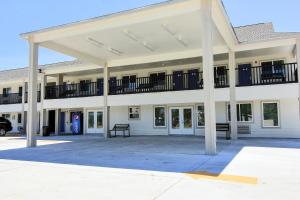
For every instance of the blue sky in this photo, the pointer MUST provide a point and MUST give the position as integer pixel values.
(23, 16)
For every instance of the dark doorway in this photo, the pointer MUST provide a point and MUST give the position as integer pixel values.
(193, 81)
(100, 86)
(113, 85)
(51, 121)
(178, 80)
(245, 76)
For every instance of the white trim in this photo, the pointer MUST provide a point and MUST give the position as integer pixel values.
(238, 114)
(196, 115)
(165, 111)
(278, 114)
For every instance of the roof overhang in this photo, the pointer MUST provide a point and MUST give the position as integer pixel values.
(164, 31)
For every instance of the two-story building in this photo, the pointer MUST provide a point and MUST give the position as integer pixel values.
(174, 68)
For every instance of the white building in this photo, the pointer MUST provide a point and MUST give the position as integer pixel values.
(157, 68)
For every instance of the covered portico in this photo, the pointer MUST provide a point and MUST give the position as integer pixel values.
(167, 31)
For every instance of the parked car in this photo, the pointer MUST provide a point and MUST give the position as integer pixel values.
(5, 126)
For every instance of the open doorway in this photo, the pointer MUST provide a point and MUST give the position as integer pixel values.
(51, 121)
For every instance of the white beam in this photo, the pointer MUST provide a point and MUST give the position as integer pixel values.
(74, 68)
(208, 78)
(105, 97)
(73, 53)
(264, 44)
(32, 95)
(164, 57)
(233, 109)
(222, 23)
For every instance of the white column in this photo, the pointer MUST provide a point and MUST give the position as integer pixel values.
(59, 81)
(233, 111)
(105, 107)
(42, 111)
(208, 78)
(23, 104)
(85, 116)
(32, 94)
(298, 68)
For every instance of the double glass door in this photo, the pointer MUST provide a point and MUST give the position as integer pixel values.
(181, 120)
(94, 121)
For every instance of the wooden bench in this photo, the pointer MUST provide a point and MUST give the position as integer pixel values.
(120, 127)
(224, 127)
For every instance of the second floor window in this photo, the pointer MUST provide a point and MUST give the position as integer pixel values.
(274, 66)
(20, 91)
(85, 85)
(129, 81)
(6, 92)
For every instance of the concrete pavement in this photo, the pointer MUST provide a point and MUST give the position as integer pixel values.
(89, 167)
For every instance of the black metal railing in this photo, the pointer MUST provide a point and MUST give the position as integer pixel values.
(12, 98)
(173, 82)
(38, 96)
(267, 75)
(74, 90)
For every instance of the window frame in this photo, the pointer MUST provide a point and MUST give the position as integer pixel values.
(196, 113)
(139, 109)
(239, 114)
(166, 116)
(19, 116)
(278, 114)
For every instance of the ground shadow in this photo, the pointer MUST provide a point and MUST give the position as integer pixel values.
(155, 153)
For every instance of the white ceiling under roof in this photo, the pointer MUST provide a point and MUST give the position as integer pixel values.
(166, 35)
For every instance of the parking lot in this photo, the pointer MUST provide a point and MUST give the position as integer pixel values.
(90, 167)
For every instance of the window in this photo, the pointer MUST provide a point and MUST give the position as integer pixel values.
(20, 91)
(6, 92)
(85, 85)
(19, 118)
(270, 114)
(200, 115)
(129, 81)
(244, 112)
(274, 66)
(157, 79)
(6, 116)
(160, 116)
(134, 112)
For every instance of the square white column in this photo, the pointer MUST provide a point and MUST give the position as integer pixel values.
(105, 97)
(42, 111)
(233, 109)
(208, 78)
(32, 95)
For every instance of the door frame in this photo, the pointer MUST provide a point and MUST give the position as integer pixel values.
(95, 110)
(170, 120)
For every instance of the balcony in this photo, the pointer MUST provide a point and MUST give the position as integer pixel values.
(74, 90)
(267, 75)
(173, 82)
(12, 98)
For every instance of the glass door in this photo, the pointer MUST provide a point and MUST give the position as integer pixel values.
(94, 121)
(181, 121)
